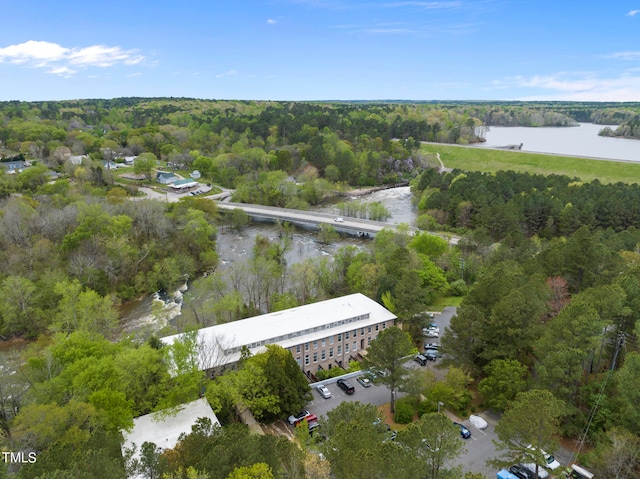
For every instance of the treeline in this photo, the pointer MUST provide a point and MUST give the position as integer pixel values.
(560, 315)
(628, 129)
(547, 113)
(509, 205)
(66, 260)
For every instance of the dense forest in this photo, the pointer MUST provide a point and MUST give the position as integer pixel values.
(547, 265)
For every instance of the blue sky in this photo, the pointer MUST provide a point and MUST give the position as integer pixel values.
(321, 49)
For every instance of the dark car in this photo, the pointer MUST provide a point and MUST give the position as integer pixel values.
(346, 386)
(464, 432)
(520, 471)
(420, 359)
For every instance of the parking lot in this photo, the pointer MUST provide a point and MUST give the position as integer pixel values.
(479, 446)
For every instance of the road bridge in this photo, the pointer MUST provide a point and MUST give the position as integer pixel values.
(354, 226)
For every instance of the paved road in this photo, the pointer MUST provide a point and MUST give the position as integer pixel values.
(479, 446)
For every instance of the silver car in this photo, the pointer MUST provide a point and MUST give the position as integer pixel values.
(323, 391)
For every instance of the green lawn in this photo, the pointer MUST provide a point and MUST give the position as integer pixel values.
(480, 159)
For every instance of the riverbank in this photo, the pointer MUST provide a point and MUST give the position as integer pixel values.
(490, 160)
(373, 189)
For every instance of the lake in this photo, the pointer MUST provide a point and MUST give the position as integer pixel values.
(582, 140)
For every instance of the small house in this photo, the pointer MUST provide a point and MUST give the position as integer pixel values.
(166, 177)
(195, 175)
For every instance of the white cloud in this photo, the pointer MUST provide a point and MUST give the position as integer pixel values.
(272, 21)
(226, 74)
(576, 87)
(427, 5)
(626, 55)
(62, 71)
(65, 61)
(633, 13)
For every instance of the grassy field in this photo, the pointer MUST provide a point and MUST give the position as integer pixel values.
(480, 159)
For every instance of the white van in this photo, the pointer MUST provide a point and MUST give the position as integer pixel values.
(578, 472)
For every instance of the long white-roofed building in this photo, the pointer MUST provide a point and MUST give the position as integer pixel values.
(320, 335)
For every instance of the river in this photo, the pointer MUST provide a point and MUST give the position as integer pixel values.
(582, 140)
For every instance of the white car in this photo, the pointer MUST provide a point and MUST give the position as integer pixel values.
(478, 422)
(296, 418)
(432, 333)
(323, 391)
(551, 462)
(339, 220)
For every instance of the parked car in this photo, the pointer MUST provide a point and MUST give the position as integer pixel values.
(364, 381)
(531, 467)
(312, 422)
(464, 432)
(551, 462)
(431, 354)
(430, 333)
(296, 418)
(433, 327)
(323, 391)
(521, 472)
(478, 422)
(420, 359)
(432, 346)
(339, 220)
(346, 386)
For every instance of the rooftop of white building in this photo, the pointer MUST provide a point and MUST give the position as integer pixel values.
(164, 428)
(289, 327)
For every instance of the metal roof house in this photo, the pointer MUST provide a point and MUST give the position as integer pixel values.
(183, 184)
(318, 335)
(166, 177)
(165, 428)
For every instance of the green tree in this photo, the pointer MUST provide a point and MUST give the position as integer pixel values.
(259, 470)
(386, 356)
(82, 309)
(527, 427)
(144, 165)
(434, 441)
(505, 379)
(358, 445)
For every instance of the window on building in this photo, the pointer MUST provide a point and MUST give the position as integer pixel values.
(306, 346)
(384, 325)
(362, 332)
(346, 335)
(355, 333)
(339, 349)
(298, 348)
(369, 328)
(315, 344)
(299, 361)
(306, 359)
(368, 341)
(355, 346)
(339, 337)
(323, 356)
(346, 347)
(315, 357)
(323, 343)
(331, 340)
(377, 327)
(330, 352)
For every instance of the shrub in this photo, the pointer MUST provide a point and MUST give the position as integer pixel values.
(458, 288)
(405, 409)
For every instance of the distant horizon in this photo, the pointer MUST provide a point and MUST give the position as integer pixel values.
(380, 100)
(282, 50)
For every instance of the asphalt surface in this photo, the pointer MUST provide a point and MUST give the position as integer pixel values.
(479, 446)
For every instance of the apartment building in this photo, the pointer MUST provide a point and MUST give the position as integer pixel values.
(320, 335)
